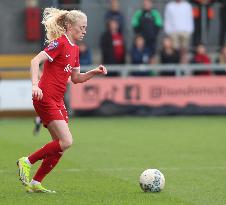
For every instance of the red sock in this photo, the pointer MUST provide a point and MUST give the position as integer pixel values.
(47, 165)
(47, 150)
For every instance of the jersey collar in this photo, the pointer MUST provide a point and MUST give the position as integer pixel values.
(69, 40)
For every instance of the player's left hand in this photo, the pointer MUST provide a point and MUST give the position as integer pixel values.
(101, 70)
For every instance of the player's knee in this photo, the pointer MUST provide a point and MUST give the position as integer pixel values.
(69, 142)
(66, 143)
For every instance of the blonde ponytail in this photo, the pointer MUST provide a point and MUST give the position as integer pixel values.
(56, 20)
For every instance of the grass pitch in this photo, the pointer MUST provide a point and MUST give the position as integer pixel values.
(109, 154)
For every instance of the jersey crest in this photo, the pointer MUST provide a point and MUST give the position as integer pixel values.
(53, 45)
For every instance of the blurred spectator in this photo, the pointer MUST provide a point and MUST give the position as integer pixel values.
(140, 54)
(168, 54)
(201, 57)
(147, 22)
(197, 14)
(85, 56)
(179, 25)
(222, 56)
(114, 13)
(112, 44)
(222, 14)
(221, 60)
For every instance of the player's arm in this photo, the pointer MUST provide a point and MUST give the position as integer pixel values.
(77, 77)
(35, 62)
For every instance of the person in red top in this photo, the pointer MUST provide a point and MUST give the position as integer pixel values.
(61, 61)
(201, 57)
(112, 44)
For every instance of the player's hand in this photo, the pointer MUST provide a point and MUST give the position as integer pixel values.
(101, 70)
(36, 92)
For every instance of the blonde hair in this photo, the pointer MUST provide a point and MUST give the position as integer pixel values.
(56, 20)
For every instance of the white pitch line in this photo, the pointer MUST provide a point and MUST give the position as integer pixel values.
(121, 169)
(137, 168)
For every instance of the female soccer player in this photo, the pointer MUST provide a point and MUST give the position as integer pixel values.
(61, 61)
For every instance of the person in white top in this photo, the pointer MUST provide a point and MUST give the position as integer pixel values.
(179, 25)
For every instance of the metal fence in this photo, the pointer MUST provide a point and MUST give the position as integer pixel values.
(156, 70)
(150, 70)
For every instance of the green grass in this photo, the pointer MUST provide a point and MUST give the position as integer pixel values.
(109, 154)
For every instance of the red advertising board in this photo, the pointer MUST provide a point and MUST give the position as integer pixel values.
(206, 91)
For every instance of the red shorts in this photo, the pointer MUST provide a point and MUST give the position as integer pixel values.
(49, 110)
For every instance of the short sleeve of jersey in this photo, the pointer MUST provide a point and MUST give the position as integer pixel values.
(53, 49)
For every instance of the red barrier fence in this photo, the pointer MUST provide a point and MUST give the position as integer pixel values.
(202, 91)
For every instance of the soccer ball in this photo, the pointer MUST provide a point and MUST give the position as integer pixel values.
(152, 180)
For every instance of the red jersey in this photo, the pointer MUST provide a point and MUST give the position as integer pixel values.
(63, 58)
